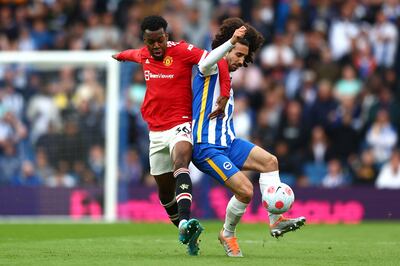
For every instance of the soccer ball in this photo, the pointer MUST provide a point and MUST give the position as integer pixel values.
(277, 198)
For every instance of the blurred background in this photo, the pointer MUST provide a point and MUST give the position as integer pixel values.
(323, 95)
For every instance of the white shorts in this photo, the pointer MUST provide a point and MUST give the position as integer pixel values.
(162, 144)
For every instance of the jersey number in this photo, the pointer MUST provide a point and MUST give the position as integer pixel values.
(184, 129)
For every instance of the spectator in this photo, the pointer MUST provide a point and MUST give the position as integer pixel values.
(294, 78)
(72, 148)
(363, 168)
(326, 68)
(131, 169)
(277, 56)
(61, 178)
(323, 111)
(348, 86)
(10, 163)
(292, 128)
(101, 32)
(243, 119)
(27, 177)
(42, 111)
(268, 118)
(389, 176)
(335, 177)
(43, 170)
(320, 150)
(96, 162)
(12, 131)
(90, 90)
(381, 137)
(384, 37)
(342, 33)
(345, 137)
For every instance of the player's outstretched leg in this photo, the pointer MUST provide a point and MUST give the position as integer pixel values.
(283, 225)
(279, 225)
(189, 233)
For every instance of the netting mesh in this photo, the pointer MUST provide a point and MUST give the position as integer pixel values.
(52, 126)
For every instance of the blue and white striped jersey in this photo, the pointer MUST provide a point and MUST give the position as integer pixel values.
(206, 90)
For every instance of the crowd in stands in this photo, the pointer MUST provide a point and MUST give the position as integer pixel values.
(323, 94)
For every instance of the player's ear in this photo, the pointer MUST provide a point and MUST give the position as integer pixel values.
(166, 36)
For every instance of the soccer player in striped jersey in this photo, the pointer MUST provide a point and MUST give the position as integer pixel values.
(217, 151)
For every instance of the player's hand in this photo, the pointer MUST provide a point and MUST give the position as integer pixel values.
(238, 34)
(220, 110)
(115, 57)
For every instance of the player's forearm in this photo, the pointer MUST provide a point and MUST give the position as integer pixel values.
(215, 55)
(128, 55)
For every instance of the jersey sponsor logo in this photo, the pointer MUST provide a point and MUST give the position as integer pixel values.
(148, 75)
(227, 166)
(168, 61)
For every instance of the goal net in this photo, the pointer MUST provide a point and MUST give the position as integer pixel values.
(59, 134)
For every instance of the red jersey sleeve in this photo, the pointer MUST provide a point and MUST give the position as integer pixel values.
(134, 55)
(190, 53)
(224, 78)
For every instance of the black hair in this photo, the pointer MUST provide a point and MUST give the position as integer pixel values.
(153, 23)
(253, 39)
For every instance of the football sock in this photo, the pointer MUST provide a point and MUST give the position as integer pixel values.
(172, 211)
(267, 179)
(183, 193)
(234, 211)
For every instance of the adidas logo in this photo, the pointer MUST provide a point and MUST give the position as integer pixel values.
(147, 61)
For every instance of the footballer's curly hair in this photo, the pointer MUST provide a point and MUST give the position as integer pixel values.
(253, 39)
(153, 23)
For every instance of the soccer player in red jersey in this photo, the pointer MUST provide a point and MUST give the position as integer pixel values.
(167, 108)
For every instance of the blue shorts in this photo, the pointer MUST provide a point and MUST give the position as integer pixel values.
(221, 162)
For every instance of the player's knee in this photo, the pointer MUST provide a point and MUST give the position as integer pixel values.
(271, 164)
(182, 155)
(182, 160)
(181, 163)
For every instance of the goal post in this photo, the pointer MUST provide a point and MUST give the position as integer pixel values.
(83, 58)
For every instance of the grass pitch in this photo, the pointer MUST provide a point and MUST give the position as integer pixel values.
(157, 244)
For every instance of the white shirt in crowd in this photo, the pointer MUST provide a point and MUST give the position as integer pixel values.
(340, 37)
(272, 55)
(384, 42)
(388, 177)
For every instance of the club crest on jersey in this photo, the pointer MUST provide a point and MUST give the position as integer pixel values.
(168, 61)
(227, 165)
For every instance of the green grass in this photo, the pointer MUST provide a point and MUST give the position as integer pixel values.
(156, 244)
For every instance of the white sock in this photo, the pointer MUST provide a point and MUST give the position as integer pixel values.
(182, 222)
(267, 179)
(234, 211)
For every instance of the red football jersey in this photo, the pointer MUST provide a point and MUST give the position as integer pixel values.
(168, 99)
